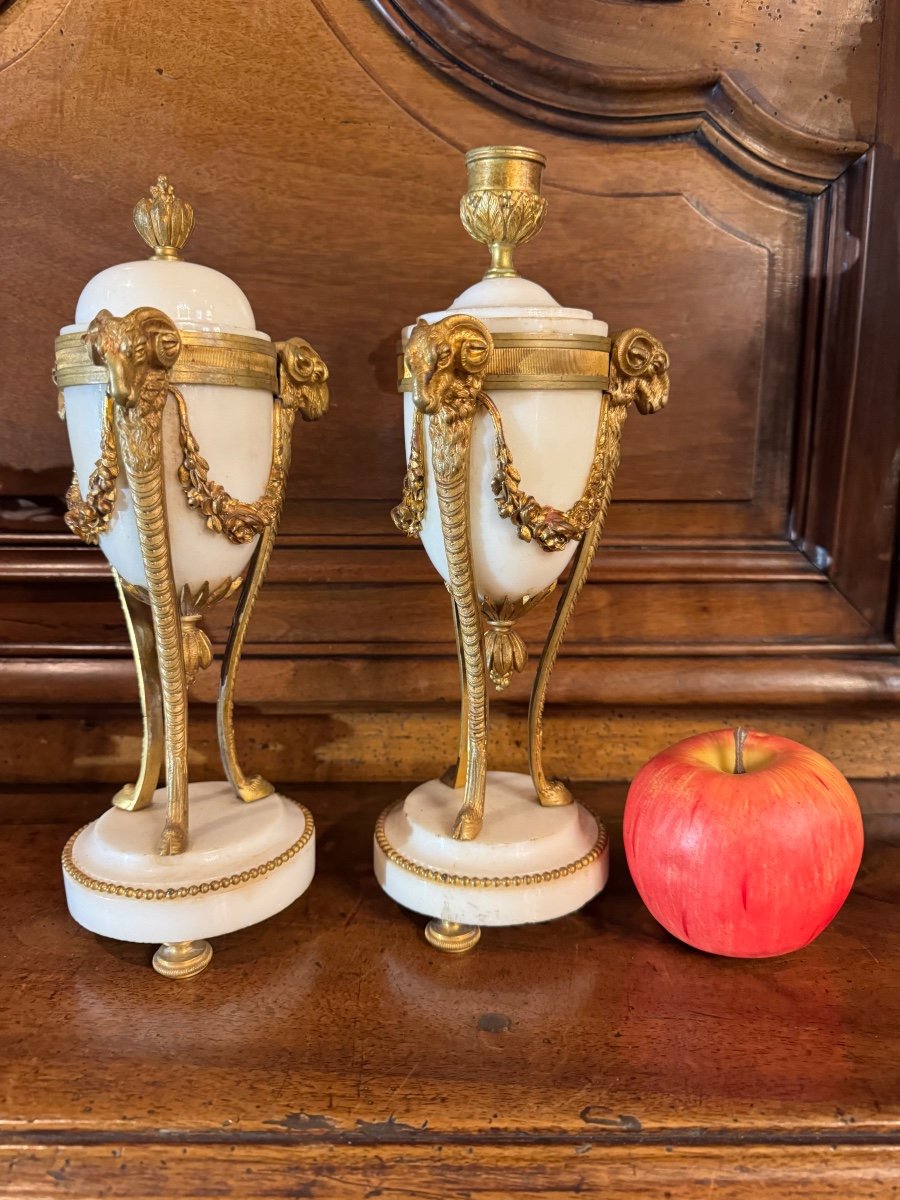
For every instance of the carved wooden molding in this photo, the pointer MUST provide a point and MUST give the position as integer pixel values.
(323, 682)
(22, 25)
(588, 98)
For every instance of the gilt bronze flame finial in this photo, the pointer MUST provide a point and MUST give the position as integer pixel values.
(503, 206)
(163, 220)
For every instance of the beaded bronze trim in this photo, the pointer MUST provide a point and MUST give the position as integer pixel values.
(222, 359)
(197, 889)
(537, 361)
(484, 881)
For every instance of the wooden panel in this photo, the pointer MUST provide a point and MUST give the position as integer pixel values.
(313, 679)
(647, 72)
(726, 401)
(328, 1052)
(149, 1170)
(620, 224)
(833, 52)
(711, 176)
(101, 748)
(621, 617)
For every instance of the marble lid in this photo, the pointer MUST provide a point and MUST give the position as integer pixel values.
(511, 304)
(195, 297)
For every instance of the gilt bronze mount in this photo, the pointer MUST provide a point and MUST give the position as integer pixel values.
(505, 392)
(174, 406)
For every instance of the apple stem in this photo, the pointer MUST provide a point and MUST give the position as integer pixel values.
(740, 736)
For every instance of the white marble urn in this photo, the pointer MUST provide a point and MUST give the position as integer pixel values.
(513, 412)
(550, 423)
(180, 416)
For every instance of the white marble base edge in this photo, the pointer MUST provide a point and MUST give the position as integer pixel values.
(199, 911)
(490, 900)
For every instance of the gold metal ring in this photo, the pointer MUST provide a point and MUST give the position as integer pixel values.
(222, 359)
(197, 889)
(484, 881)
(538, 361)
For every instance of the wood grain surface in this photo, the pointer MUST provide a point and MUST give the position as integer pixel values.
(329, 1052)
(101, 748)
(724, 174)
(721, 174)
(608, 70)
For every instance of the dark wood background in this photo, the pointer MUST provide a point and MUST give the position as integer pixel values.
(724, 174)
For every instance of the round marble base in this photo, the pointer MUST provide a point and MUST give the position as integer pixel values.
(528, 863)
(244, 863)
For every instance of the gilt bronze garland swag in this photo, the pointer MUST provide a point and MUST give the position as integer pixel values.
(110, 339)
(638, 371)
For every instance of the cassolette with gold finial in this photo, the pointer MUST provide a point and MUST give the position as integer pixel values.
(180, 417)
(162, 333)
(180, 414)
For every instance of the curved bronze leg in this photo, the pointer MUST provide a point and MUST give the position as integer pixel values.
(554, 791)
(455, 775)
(453, 501)
(138, 351)
(138, 619)
(447, 361)
(302, 387)
(254, 787)
(140, 435)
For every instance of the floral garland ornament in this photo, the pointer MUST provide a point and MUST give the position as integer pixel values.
(90, 515)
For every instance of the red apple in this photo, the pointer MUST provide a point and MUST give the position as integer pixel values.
(747, 862)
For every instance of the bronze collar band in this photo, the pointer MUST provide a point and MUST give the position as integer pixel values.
(222, 359)
(538, 361)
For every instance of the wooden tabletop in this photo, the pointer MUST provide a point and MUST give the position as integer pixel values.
(330, 1052)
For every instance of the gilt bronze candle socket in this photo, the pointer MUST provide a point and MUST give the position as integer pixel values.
(176, 406)
(506, 391)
